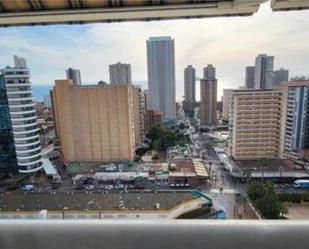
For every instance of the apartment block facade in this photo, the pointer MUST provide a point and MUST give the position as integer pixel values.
(208, 89)
(257, 124)
(297, 116)
(95, 123)
(225, 103)
(138, 110)
(120, 73)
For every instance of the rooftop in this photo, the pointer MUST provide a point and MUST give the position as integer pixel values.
(92, 201)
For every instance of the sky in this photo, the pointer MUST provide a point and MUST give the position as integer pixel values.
(229, 43)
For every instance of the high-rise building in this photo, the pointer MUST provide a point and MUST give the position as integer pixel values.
(74, 75)
(250, 71)
(146, 99)
(189, 78)
(226, 102)
(189, 87)
(208, 106)
(23, 116)
(120, 73)
(280, 75)
(264, 72)
(161, 76)
(138, 110)
(297, 116)
(7, 150)
(95, 123)
(257, 124)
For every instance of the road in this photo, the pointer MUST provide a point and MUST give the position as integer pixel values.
(223, 191)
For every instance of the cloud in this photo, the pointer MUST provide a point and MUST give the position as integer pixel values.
(228, 43)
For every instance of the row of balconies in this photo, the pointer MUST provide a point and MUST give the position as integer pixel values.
(257, 126)
(29, 148)
(256, 150)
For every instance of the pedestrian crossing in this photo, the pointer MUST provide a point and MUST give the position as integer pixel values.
(224, 191)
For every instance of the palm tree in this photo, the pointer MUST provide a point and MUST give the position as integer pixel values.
(248, 173)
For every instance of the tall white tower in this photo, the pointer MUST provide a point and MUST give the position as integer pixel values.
(161, 75)
(23, 116)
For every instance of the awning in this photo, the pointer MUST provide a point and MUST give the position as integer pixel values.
(25, 12)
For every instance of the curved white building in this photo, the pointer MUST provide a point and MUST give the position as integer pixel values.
(23, 116)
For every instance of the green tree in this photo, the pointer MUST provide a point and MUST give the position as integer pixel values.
(266, 200)
(248, 173)
(161, 137)
(269, 206)
(255, 191)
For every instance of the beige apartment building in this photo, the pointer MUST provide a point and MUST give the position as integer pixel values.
(208, 106)
(138, 110)
(95, 123)
(257, 124)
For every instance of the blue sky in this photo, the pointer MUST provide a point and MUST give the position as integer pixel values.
(228, 43)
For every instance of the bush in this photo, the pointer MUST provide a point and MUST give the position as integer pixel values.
(294, 198)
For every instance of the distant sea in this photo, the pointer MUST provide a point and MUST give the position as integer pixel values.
(39, 91)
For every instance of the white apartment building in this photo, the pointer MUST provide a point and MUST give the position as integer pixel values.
(23, 116)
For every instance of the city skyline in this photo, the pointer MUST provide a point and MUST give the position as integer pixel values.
(236, 37)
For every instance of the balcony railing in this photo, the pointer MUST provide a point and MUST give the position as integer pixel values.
(114, 234)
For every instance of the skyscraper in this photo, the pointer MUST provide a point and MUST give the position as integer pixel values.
(189, 78)
(226, 102)
(280, 75)
(23, 116)
(297, 117)
(161, 75)
(264, 72)
(189, 87)
(74, 75)
(208, 107)
(120, 73)
(250, 77)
